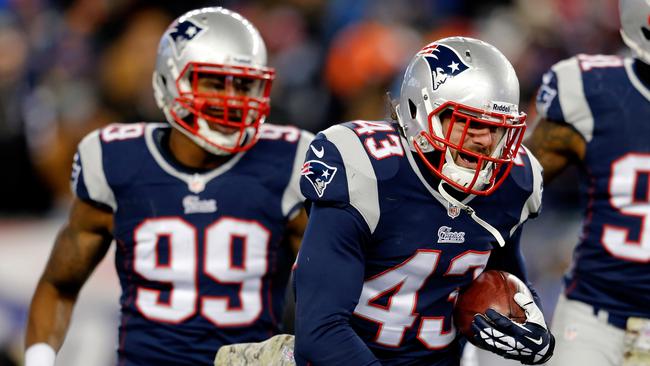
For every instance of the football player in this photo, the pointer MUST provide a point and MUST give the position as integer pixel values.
(198, 209)
(595, 113)
(404, 214)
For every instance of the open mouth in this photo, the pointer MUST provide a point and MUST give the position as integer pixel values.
(223, 129)
(466, 160)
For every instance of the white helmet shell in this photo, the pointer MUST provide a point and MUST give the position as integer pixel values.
(475, 82)
(212, 41)
(635, 26)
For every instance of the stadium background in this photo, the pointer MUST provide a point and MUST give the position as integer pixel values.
(70, 66)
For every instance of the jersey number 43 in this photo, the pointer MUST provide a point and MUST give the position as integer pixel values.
(404, 282)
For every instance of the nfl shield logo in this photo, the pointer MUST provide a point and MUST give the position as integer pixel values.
(196, 184)
(453, 211)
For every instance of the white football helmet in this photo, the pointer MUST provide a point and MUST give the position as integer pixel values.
(635, 26)
(473, 84)
(211, 79)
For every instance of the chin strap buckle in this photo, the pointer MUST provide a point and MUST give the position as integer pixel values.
(472, 213)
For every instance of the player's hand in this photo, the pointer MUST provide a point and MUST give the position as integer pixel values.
(530, 343)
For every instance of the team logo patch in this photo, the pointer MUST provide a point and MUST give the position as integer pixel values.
(445, 235)
(319, 175)
(184, 32)
(444, 63)
(76, 171)
(546, 93)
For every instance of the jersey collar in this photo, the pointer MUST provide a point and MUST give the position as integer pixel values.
(196, 182)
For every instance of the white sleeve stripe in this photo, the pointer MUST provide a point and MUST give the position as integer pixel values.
(572, 97)
(362, 181)
(92, 168)
(292, 195)
(534, 201)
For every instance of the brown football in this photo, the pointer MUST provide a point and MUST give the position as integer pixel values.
(491, 289)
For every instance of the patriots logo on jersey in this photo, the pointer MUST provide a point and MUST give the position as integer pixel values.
(444, 63)
(546, 93)
(76, 171)
(184, 32)
(319, 175)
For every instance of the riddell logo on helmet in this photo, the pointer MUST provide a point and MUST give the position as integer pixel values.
(500, 108)
(503, 107)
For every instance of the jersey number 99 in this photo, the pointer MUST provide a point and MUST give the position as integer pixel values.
(181, 270)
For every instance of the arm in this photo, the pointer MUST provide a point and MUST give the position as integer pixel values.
(555, 145)
(296, 229)
(329, 279)
(294, 233)
(79, 247)
(509, 257)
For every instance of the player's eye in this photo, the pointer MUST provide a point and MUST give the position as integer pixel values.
(217, 83)
(243, 85)
(212, 83)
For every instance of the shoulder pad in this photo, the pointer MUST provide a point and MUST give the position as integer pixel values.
(337, 170)
(106, 158)
(286, 133)
(292, 196)
(88, 180)
(562, 96)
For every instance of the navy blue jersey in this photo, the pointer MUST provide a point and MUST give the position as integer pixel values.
(604, 101)
(384, 253)
(198, 254)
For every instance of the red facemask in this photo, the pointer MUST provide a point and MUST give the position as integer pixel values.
(232, 100)
(490, 170)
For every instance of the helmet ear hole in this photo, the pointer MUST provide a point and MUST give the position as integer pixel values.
(413, 110)
(646, 33)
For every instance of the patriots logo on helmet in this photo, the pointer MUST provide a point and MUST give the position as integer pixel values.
(182, 33)
(444, 63)
(319, 175)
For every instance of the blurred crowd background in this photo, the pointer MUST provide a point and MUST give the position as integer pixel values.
(70, 66)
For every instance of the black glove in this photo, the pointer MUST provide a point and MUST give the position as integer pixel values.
(530, 343)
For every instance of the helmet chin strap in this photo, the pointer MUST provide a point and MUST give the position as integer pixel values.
(472, 214)
(464, 176)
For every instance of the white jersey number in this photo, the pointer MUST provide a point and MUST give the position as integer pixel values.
(622, 188)
(122, 131)
(404, 281)
(384, 148)
(181, 269)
